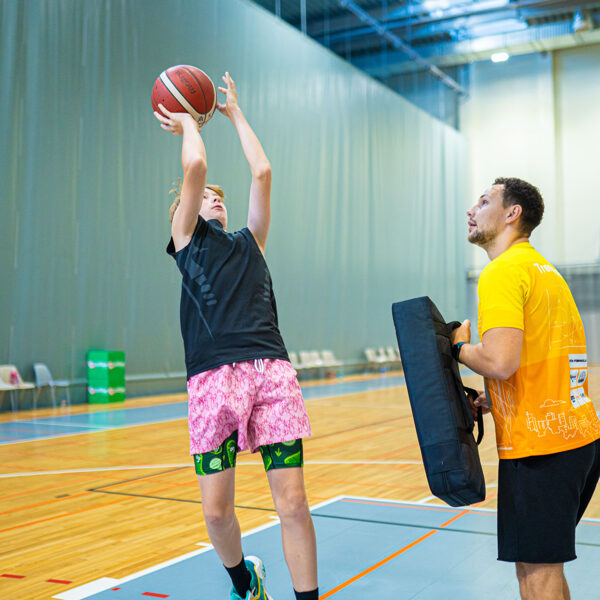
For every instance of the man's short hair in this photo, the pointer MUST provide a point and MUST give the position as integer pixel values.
(527, 196)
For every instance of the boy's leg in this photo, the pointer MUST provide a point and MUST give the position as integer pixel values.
(216, 477)
(217, 492)
(289, 496)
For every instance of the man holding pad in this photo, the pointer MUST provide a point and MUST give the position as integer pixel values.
(533, 357)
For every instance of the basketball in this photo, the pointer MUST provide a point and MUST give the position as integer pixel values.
(184, 88)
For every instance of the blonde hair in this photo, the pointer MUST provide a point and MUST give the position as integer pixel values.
(177, 191)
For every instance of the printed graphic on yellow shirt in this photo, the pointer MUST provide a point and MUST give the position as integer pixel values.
(564, 324)
(544, 407)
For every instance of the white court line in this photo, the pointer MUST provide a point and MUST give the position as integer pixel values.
(428, 498)
(450, 508)
(51, 423)
(95, 470)
(378, 462)
(74, 425)
(189, 464)
(185, 556)
(417, 503)
(94, 587)
(81, 592)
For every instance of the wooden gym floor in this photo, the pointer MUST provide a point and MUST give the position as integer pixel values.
(112, 502)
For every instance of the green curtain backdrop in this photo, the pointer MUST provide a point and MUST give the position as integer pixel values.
(367, 190)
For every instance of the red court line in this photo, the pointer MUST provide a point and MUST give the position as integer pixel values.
(75, 512)
(155, 595)
(397, 451)
(57, 581)
(46, 488)
(388, 558)
(137, 479)
(46, 502)
(366, 436)
(13, 576)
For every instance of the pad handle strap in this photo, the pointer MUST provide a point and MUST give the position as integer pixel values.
(473, 394)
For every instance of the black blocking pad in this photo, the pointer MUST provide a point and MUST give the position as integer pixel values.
(439, 402)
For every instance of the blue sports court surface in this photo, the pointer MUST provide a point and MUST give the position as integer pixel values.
(368, 548)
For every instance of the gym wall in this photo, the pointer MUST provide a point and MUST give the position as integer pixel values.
(368, 191)
(537, 117)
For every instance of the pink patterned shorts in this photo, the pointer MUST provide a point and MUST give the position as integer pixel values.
(260, 398)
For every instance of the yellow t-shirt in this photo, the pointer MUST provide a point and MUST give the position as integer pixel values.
(544, 407)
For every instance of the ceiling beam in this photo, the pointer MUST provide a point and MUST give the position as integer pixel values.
(456, 28)
(400, 45)
(541, 38)
(396, 19)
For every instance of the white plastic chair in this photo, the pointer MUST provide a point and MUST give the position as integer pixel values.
(5, 387)
(328, 359)
(392, 354)
(13, 381)
(316, 358)
(373, 357)
(43, 378)
(294, 360)
(307, 360)
(382, 355)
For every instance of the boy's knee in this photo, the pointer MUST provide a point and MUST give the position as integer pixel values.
(218, 515)
(293, 505)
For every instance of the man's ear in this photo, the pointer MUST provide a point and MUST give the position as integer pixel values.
(514, 213)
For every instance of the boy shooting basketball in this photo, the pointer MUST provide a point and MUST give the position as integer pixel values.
(242, 390)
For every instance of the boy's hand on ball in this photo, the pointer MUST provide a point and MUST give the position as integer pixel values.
(174, 121)
(231, 104)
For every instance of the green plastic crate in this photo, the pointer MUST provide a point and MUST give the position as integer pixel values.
(98, 395)
(106, 376)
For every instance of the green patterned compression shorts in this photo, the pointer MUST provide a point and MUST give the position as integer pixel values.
(275, 456)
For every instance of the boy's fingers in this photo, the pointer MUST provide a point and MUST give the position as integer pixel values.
(164, 110)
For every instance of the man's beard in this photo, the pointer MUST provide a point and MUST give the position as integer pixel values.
(481, 238)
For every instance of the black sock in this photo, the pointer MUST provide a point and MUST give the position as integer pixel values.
(240, 577)
(312, 595)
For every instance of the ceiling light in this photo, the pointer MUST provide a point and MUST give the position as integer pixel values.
(500, 57)
(436, 5)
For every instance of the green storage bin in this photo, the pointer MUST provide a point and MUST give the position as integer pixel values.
(106, 376)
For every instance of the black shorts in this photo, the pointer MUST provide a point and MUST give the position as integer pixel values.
(540, 501)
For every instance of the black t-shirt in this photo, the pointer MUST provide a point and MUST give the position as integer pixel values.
(228, 312)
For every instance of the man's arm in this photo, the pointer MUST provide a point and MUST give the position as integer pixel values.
(497, 356)
(193, 160)
(259, 210)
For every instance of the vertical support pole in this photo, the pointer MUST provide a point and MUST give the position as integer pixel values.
(303, 16)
